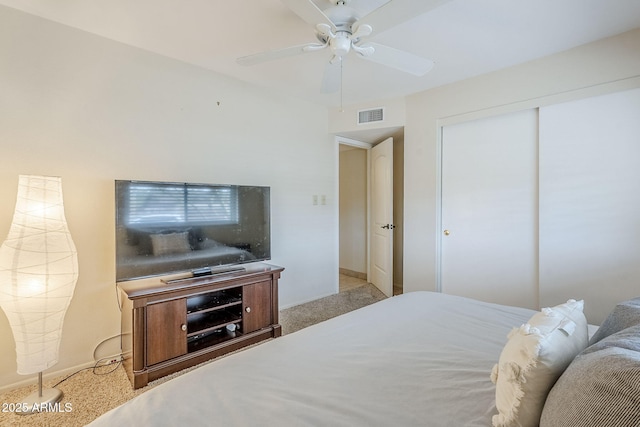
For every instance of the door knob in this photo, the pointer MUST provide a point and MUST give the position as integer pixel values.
(447, 232)
(248, 309)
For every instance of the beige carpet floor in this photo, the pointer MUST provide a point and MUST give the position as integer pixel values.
(90, 393)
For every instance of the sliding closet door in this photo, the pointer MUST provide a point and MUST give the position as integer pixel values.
(489, 209)
(590, 201)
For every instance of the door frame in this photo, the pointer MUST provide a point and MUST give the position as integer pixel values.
(341, 140)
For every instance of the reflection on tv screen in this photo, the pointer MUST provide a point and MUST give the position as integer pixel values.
(164, 227)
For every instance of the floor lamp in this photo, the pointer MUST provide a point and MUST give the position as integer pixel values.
(38, 274)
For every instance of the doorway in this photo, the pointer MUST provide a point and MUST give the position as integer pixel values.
(355, 212)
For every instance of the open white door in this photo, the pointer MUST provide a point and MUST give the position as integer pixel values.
(381, 224)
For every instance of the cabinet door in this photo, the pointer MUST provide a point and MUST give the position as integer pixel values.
(166, 330)
(256, 306)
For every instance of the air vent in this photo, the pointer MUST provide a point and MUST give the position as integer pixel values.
(369, 116)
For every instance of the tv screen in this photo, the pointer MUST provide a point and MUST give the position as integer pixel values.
(165, 227)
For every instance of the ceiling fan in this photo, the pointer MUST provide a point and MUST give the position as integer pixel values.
(340, 29)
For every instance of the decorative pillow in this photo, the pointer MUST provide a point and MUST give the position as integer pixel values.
(601, 387)
(624, 315)
(171, 243)
(533, 358)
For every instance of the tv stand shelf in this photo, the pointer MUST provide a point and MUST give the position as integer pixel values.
(169, 326)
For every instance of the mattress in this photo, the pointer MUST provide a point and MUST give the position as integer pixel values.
(421, 358)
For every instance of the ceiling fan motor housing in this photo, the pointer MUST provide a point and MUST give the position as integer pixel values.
(340, 44)
(343, 17)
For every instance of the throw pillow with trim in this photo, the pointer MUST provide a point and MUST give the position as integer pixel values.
(533, 358)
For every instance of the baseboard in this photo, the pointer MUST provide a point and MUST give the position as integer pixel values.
(351, 273)
(47, 376)
(284, 307)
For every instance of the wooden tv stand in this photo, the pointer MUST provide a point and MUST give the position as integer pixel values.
(167, 327)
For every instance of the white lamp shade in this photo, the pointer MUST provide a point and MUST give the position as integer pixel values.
(38, 272)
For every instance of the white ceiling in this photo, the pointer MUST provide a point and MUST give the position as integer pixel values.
(464, 37)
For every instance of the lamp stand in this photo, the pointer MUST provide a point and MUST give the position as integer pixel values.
(40, 400)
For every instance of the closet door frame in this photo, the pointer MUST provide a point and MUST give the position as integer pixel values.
(550, 99)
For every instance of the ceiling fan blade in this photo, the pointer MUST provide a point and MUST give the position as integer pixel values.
(332, 78)
(308, 11)
(363, 30)
(258, 58)
(396, 12)
(398, 59)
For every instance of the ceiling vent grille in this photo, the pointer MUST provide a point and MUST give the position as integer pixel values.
(369, 116)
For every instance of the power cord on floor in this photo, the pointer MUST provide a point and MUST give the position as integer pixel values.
(112, 362)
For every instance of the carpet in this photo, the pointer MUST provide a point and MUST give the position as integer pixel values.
(301, 316)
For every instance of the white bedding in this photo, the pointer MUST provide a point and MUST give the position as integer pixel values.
(421, 358)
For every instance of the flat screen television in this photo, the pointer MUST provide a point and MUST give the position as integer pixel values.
(166, 227)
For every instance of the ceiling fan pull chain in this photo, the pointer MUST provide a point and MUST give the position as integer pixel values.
(341, 89)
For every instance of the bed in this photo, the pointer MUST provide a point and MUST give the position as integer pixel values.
(420, 358)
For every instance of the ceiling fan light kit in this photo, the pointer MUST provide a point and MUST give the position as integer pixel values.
(340, 28)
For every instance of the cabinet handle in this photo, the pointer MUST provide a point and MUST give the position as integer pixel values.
(183, 327)
(248, 309)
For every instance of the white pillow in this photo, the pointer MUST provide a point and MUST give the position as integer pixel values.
(533, 358)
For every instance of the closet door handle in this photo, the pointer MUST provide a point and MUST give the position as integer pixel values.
(447, 232)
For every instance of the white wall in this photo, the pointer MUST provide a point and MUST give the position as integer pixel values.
(91, 111)
(608, 65)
